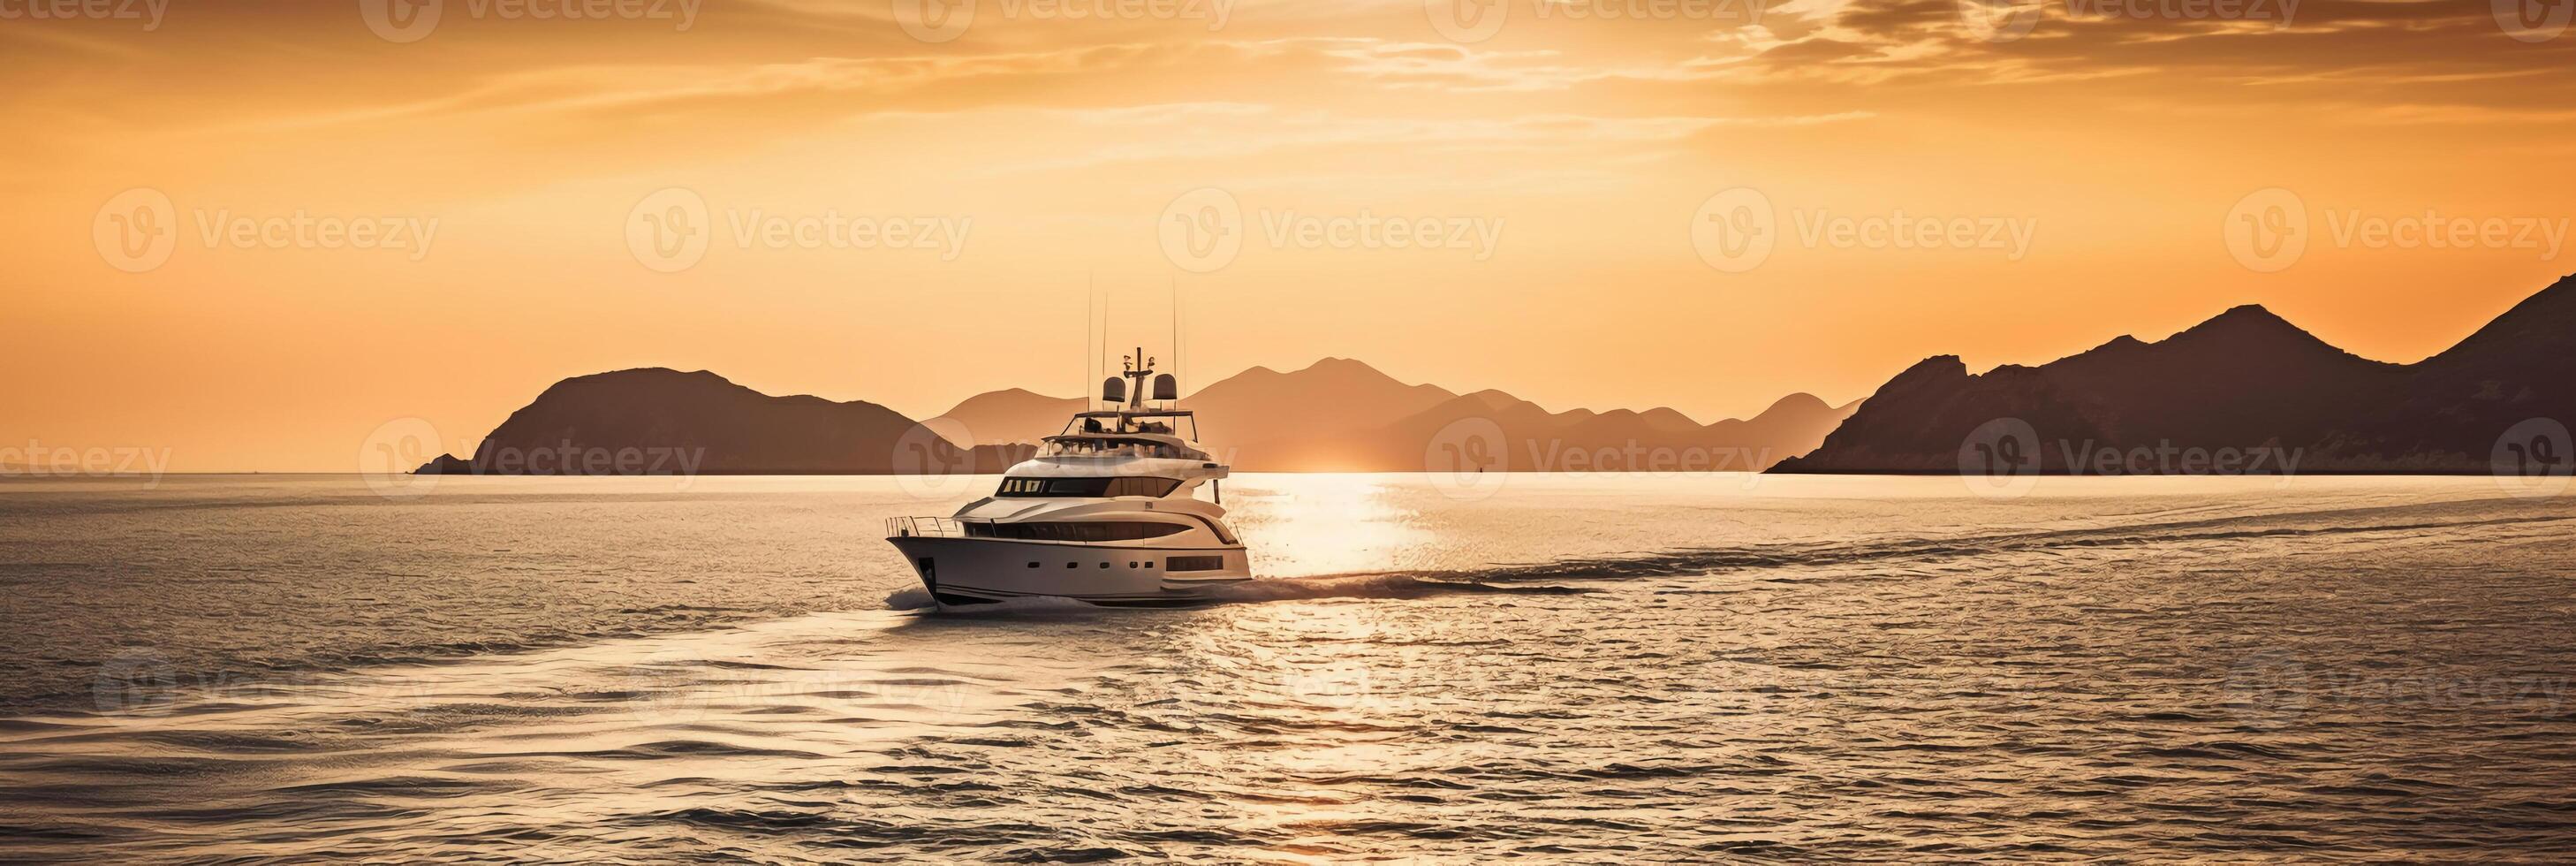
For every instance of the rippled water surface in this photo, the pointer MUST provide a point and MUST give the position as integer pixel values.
(1602, 669)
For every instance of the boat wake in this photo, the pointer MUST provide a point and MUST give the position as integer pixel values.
(1388, 586)
(1549, 577)
(2213, 532)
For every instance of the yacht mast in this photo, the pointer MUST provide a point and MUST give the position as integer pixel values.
(1139, 368)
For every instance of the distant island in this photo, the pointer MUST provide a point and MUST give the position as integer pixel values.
(665, 422)
(2246, 384)
(2245, 392)
(1336, 415)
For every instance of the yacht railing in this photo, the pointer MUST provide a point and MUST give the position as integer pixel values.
(924, 527)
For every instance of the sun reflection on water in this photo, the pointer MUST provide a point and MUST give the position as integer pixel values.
(1324, 524)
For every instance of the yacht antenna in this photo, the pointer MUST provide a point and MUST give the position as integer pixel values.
(1141, 369)
(1090, 314)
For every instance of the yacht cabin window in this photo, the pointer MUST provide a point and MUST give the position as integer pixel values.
(1122, 485)
(1088, 530)
(1071, 447)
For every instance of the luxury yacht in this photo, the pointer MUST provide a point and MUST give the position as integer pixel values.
(1107, 512)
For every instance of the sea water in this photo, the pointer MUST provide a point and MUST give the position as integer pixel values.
(1605, 668)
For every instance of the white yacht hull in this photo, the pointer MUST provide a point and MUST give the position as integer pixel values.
(963, 571)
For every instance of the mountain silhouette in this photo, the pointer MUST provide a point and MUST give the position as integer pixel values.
(1499, 431)
(1329, 397)
(1335, 415)
(2520, 367)
(658, 421)
(1344, 415)
(1327, 401)
(2242, 381)
(1011, 415)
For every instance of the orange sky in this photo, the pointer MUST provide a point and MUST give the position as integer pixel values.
(1561, 154)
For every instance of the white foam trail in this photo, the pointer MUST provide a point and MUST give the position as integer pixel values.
(1249, 592)
(1348, 586)
(910, 598)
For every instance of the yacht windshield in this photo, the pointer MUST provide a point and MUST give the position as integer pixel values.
(1111, 447)
(1113, 530)
(1124, 485)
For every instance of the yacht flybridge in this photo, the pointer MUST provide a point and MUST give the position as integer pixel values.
(1107, 512)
